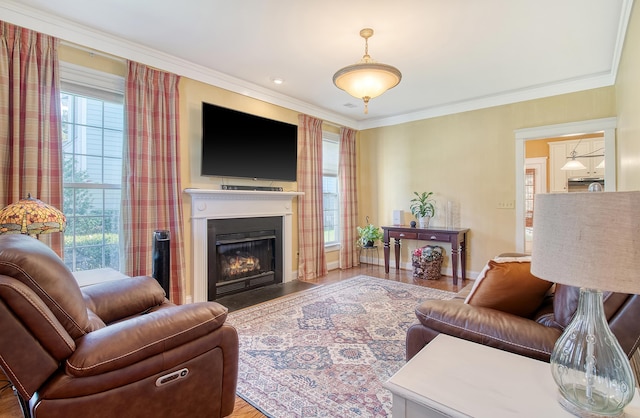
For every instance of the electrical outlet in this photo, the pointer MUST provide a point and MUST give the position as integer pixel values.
(506, 204)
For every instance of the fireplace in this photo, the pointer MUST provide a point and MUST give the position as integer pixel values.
(243, 254)
(208, 204)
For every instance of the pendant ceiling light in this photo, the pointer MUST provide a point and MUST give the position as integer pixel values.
(367, 79)
(574, 164)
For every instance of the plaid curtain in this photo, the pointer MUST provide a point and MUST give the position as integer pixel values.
(348, 193)
(151, 192)
(30, 127)
(311, 260)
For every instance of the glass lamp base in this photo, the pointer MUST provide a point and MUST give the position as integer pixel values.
(592, 372)
(579, 412)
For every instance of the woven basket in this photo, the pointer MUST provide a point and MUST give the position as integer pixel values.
(427, 262)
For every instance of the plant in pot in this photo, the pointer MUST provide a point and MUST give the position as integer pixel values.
(368, 235)
(423, 208)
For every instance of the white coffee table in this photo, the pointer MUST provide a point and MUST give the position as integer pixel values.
(451, 377)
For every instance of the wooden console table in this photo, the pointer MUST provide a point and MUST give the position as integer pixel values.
(455, 236)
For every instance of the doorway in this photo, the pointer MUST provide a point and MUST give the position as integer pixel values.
(606, 126)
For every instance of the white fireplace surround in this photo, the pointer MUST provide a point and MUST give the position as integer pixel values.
(227, 204)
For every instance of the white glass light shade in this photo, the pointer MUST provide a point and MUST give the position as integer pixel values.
(573, 165)
(592, 372)
(367, 79)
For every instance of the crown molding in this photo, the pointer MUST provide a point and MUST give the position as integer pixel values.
(538, 92)
(85, 36)
(625, 16)
(532, 93)
(67, 30)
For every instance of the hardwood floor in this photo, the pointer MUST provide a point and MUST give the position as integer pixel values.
(9, 407)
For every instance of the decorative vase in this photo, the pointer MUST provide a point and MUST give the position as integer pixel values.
(424, 221)
(590, 368)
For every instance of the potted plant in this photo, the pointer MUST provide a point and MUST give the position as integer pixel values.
(423, 207)
(368, 235)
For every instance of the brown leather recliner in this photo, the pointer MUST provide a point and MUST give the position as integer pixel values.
(117, 348)
(532, 337)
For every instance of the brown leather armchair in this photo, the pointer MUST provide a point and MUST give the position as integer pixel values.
(118, 348)
(532, 337)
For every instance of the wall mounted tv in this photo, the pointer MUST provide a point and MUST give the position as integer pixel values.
(237, 144)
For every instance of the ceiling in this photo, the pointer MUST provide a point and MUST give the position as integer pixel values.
(454, 55)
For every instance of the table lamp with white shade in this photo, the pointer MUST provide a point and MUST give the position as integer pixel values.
(591, 241)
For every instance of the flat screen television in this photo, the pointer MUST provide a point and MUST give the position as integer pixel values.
(237, 144)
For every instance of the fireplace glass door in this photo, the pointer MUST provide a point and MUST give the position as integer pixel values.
(243, 254)
(248, 257)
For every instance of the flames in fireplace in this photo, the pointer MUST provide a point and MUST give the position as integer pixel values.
(241, 257)
(239, 264)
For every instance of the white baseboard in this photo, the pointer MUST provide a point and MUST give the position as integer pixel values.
(333, 265)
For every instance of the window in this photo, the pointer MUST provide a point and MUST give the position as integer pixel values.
(330, 198)
(92, 135)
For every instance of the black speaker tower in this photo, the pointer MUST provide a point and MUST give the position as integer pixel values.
(162, 259)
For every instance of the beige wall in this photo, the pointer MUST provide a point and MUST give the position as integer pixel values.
(467, 158)
(628, 106)
(192, 94)
(93, 60)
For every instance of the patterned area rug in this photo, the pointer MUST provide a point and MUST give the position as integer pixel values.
(325, 352)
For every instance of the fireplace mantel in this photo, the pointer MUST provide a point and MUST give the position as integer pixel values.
(225, 204)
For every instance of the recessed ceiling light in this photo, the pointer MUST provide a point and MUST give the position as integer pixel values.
(277, 80)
